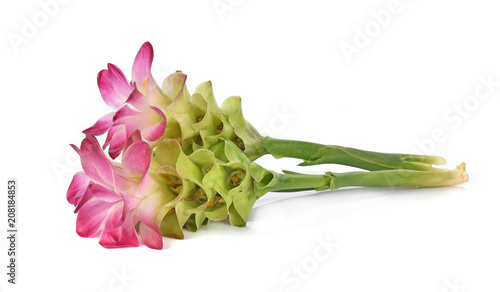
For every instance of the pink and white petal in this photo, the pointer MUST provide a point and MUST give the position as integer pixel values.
(139, 122)
(112, 131)
(104, 194)
(91, 216)
(77, 188)
(151, 210)
(137, 100)
(149, 237)
(108, 92)
(95, 164)
(136, 159)
(146, 187)
(153, 93)
(84, 199)
(124, 183)
(132, 138)
(123, 235)
(130, 202)
(119, 81)
(142, 64)
(116, 216)
(117, 143)
(123, 114)
(101, 126)
(155, 132)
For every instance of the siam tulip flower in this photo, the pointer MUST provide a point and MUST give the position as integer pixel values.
(137, 104)
(115, 88)
(136, 114)
(186, 162)
(107, 194)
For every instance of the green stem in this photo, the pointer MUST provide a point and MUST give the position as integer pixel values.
(313, 154)
(402, 177)
(268, 181)
(298, 182)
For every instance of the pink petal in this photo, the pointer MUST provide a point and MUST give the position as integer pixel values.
(120, 82)
(132, 138)
(123, 235)
(139, 122)
(91, 216)
(142, 64)
(147, 186)
(136, 159)
(77, 188)
(117, 143)
(138, 100)
(151, 210)
(150, 238)
(123, 114)
(101, 126)
(124, 182)
(104, 194)
(148, 209)
(84, 199)
(110, 135)
(95, 164)
(130, 202)
(108, 92)
(155, 132)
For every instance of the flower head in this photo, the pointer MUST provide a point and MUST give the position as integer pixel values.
(137, 104)
(108, 193)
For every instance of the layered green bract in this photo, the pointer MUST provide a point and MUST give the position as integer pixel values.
(202, 123)
(201, 186)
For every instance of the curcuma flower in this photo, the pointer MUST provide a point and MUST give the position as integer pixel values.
(178, 161)
(106, 194)
(137, 104)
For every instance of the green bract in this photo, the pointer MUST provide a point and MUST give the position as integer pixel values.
(205, 185)
(203, 123)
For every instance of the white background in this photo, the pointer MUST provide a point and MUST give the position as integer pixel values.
(405, 82)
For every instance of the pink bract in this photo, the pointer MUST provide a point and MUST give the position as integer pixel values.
(106, 194)
(136, 104)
